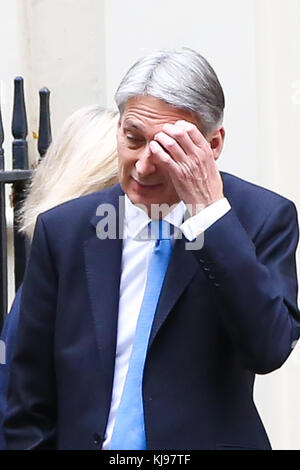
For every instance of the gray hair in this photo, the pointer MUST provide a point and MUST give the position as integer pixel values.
(182, 78)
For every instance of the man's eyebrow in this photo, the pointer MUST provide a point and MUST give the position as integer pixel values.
(132, 125)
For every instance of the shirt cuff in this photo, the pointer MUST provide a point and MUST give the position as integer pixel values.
(200, 222)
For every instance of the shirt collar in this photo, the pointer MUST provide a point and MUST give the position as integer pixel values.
(136, 219)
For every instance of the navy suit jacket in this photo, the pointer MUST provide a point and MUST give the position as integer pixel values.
(8, 336)
(226, 312)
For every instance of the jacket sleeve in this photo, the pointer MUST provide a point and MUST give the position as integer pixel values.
(29, 421)
(256, 285)
(8, 338)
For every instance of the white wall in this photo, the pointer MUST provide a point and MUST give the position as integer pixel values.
(55, 43)
(278, 83)
(63, 41)
(11, 65)
(277, 35)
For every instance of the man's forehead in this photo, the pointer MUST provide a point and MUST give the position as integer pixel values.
(142, 111)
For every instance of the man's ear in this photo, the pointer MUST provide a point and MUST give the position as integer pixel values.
(216, 141)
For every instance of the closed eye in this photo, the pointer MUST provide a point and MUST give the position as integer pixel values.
(133, 140)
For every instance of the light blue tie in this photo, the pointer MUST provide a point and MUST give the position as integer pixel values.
(129, 429)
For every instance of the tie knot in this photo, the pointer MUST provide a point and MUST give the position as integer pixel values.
(160, 230)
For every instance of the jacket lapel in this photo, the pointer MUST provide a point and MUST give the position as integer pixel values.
(182, 268)
(103, 270)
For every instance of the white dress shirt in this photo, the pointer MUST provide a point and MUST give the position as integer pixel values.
(136, 254)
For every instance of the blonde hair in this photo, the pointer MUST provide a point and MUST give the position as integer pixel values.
(81, 160)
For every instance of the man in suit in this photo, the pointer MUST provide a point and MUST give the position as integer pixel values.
(226, 308)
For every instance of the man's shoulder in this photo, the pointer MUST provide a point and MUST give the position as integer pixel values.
(240, 192)
(84, 206)
(254, 204)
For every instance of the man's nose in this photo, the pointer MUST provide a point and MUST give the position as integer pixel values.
(144, 165)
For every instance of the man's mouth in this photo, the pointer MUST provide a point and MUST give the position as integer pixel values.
(146, 185)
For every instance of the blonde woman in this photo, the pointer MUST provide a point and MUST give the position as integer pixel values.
(81, 160)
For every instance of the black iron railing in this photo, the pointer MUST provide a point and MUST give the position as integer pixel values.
(18, 177)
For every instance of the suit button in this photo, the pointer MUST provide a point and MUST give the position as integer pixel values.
(211, 276)
(206, 268)
(216, 284)
(202, 261)
(96, 439)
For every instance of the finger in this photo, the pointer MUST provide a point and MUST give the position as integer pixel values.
(181, 136)
(162, 156)
(171, 146)
(194, 133)
(177, 170)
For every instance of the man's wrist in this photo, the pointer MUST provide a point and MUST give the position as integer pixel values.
(195, 207)
(204, 218)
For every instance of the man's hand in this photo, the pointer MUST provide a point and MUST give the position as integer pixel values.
(189, 160)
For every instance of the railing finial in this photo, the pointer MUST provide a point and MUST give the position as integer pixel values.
(19, 127)
(45, 136)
